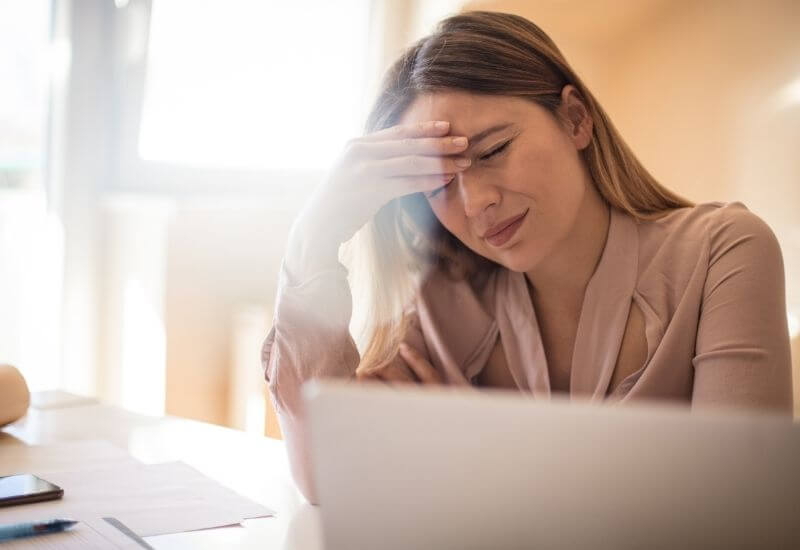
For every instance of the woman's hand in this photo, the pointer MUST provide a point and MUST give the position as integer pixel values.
(373, 170)
(408, 367)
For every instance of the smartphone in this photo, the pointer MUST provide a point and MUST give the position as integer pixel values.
(25, 488)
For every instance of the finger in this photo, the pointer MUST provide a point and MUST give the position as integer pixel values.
(415, 130)
(418, 165)
(436, 146)
(421, 367)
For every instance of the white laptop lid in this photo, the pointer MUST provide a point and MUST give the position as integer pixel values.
(428, 467)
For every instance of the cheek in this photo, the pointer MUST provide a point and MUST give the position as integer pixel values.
(549, 174)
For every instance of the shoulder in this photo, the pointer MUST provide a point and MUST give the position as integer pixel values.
(735, 228)
(707, 218)
(741, 244)
(709, 228)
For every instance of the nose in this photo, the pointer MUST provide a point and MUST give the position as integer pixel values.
(476, 195)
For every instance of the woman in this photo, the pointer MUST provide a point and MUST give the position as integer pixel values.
(515, 241)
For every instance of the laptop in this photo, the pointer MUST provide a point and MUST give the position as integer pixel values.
(429, 467)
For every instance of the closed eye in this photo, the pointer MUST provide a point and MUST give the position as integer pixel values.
(494, 152)
(487, 156)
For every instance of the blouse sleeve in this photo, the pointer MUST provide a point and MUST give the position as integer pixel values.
(742, 356)
(310, 338)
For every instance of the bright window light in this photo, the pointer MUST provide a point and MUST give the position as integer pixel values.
(144, 348)
(24, 73)
(253, 84)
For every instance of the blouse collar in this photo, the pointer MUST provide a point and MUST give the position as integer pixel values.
(606, 305)
(604, 315)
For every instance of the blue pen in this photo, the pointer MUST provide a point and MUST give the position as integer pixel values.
(19, 530)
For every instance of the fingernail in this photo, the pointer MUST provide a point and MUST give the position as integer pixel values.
(447, 178)
(441, 125)
(463, 162)
(460, 141)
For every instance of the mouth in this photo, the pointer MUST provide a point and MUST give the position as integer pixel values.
(499, 234)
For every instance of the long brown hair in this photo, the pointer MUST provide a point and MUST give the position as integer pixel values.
(483, 53)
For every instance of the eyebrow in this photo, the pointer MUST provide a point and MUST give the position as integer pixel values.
(491, 130)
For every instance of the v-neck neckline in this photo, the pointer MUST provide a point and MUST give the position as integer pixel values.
(601, 325)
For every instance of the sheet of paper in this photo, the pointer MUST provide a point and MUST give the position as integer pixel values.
(191, 478)
(153, 499)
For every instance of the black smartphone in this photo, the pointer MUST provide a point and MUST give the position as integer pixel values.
(25, 488)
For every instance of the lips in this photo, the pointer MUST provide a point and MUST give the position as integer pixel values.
(500, 233)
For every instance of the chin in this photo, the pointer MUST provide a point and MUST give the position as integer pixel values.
(518, 258)
(514, 263)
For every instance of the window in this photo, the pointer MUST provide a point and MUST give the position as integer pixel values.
(25, 59)
(252, 84)
(30, 234)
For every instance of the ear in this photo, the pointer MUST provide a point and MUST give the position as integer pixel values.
(575, 117)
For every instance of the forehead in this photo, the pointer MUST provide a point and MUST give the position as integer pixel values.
(469, 113)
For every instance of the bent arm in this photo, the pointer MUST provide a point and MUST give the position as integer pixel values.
(309, 339)
(742, 356)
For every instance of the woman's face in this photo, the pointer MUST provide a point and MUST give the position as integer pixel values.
(525, 169)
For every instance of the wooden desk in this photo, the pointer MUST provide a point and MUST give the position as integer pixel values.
(255, 467)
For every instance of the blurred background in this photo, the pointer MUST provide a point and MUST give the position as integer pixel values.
(153, 154)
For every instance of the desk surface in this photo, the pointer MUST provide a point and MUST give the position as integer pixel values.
(253, 466)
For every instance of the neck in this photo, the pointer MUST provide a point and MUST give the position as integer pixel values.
(565, 274)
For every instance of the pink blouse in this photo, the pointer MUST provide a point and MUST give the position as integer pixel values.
(708, 279)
